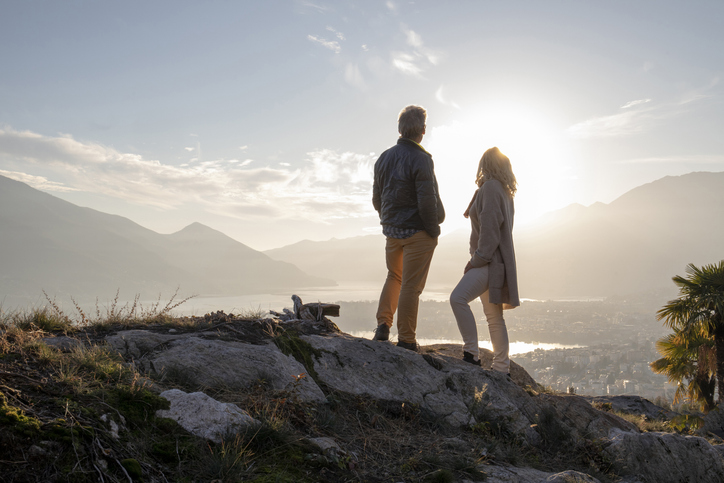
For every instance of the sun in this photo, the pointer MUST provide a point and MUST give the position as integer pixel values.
(537, 148)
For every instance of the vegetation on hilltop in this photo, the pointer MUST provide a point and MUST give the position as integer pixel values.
(73, 410)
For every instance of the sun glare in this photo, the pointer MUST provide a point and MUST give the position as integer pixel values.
(535, 146)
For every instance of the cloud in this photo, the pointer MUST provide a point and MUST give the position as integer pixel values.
(365, 48)
(416, 60)
(442, 100)
(37, 182)
(391, 6)
(189, 149)
(622, 124)
(337, 33)
(328, 184)
(353, 76)
(244, 147)
(314, 6)
(699, 93)
(688, 159)
(635, 103)
(406, 64)
(332, 45)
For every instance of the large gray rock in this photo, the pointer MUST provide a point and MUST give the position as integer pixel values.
(219, 363)
(582, 421)
(512, 474)
(204, 416)
(135, 344)
(571, 476)
(632, 405)
(447, 387)
(663, 457)
(385, 372)
(713, 422)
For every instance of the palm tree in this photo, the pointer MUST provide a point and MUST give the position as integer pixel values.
(691, 364)
(698, 311)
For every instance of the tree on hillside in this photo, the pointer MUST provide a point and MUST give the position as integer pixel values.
(697, 313)
(691, 364)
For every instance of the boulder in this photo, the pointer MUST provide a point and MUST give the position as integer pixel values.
(62, 343)
(220, 363)
(713, 422)
(571, 476)
(659, 457)
(135, 344)
(632, 405)
(204, 416)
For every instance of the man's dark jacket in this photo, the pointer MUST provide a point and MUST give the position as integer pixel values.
(405, 191)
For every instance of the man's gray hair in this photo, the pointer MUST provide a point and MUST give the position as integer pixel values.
(411, 121)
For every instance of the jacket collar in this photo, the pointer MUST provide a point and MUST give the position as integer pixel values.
(410, 142)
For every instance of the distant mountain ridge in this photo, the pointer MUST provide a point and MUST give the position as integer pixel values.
(632, 245)
(49, 244)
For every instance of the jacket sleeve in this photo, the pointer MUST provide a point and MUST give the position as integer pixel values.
(491, 217)
(376, 190)
(427, 198)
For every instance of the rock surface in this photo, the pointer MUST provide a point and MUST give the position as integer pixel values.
(218, 363)
(632, 405)
(436, 382)
(204, 416)
(662, 457)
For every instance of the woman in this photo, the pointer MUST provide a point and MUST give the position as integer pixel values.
(490, 274)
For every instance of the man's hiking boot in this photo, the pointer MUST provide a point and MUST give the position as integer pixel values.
(382, 332)
(468, 357)
(410, 346)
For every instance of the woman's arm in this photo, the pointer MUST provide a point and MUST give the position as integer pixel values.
(491, 217)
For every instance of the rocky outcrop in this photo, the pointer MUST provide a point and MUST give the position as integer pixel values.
(660, 457)
(311, 360)
(631, 405)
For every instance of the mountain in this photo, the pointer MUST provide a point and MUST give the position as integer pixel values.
(49, 244)
(632, 245)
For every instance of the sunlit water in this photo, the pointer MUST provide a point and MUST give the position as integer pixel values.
(345, 292)
(515, 347)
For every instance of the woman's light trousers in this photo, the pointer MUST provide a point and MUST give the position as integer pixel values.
(474, 284)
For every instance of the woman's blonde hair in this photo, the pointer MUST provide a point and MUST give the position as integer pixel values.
(496, 165)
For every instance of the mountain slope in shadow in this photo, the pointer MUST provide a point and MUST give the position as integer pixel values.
(49, 244)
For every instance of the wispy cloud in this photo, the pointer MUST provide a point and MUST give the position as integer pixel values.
(688, 159)
(353, 76)
(332, 45)
(418, 58)
(443, 100)
(635, 103)
(700, 93)
(328, 184)
(337, 33)
(37, 182)
(621, 124)
(313, 6)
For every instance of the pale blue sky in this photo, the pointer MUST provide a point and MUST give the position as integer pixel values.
(263, 119)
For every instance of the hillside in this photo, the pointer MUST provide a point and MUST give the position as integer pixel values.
(632, 245)
(49, 244)
(231, 398)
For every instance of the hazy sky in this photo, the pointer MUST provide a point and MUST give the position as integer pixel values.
(264, 119)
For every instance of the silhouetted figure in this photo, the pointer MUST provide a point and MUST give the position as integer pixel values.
(491, 272)
(405, 194)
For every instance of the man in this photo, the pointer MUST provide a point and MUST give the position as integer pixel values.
(405, 194)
